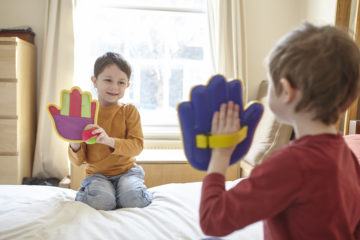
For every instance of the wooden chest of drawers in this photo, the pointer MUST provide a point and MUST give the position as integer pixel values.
(17, 109)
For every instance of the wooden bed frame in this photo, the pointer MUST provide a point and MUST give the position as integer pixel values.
(343, 19)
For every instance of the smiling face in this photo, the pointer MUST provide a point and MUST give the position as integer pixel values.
(111, 85)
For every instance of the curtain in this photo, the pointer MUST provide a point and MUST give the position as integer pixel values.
(226, 37)
(51, 158)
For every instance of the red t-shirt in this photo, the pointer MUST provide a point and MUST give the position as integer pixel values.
(309, 189)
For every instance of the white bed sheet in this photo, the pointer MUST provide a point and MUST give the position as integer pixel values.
(42, 212)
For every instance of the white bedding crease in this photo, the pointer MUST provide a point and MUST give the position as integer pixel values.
(43, 212)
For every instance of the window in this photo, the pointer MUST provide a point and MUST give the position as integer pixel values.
(166, 43)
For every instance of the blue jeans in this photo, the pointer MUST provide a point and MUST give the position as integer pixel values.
(122, 191)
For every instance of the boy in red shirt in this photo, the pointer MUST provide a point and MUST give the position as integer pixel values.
(309, 189)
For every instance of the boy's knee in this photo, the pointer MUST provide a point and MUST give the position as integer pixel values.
(102, 202)
(97, 199)
(135, 198)
(98, 193)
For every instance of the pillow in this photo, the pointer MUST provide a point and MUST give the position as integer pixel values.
(353, 141)
(270, 134)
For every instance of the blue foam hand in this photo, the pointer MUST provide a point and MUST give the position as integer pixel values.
(196, 116)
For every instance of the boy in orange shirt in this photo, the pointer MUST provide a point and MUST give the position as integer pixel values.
(113, 178)
(309, 189)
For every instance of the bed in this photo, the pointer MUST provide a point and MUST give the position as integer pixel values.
(46, 212)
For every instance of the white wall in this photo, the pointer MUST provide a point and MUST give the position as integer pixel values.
(30, 13)
(267, 20)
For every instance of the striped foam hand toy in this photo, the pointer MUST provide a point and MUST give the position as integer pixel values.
(77, 110)
(196, 116)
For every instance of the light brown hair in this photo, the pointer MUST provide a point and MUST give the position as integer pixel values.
(110, 58)
(323, 63)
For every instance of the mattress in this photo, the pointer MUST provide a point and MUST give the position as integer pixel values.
(45, 212)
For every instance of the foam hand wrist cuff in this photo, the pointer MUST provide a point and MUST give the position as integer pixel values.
(221, 141)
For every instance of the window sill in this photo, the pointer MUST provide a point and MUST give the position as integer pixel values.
(161, 156)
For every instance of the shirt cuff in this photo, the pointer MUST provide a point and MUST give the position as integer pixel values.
(214, 179)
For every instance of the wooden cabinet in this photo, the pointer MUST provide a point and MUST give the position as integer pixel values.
(161, 167)
(17, 109)
(163, 172)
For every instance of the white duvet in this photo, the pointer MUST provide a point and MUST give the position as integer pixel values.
(42, 212)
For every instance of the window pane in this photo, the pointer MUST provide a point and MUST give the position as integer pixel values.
(150, 90)
(168, 51)
(175, 87)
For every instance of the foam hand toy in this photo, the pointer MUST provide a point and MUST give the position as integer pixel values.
(77, 109)
(196, 116)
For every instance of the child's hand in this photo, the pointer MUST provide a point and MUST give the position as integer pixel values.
(75, 146)
(102, 138)
(226, 121)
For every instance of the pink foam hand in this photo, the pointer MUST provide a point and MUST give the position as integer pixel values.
(77, 109)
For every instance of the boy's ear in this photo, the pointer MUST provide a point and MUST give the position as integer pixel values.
(93, 79)
(289, 93)
(128, 84)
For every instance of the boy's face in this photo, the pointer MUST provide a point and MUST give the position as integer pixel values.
(111, 85)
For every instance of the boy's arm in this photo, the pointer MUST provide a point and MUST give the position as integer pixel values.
(78, 156)
(133, 144)
(266, 192)
(271, 187)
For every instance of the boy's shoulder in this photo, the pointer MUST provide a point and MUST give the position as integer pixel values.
(291, 161)
(308, 151)
(126, 106)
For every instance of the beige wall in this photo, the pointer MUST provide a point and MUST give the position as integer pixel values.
(266, 21)
(30, 13)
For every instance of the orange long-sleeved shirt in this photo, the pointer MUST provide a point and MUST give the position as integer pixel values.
(121, 122)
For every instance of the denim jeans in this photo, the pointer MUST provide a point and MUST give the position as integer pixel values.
(122, 191)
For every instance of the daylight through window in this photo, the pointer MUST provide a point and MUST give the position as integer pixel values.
(167, 45)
